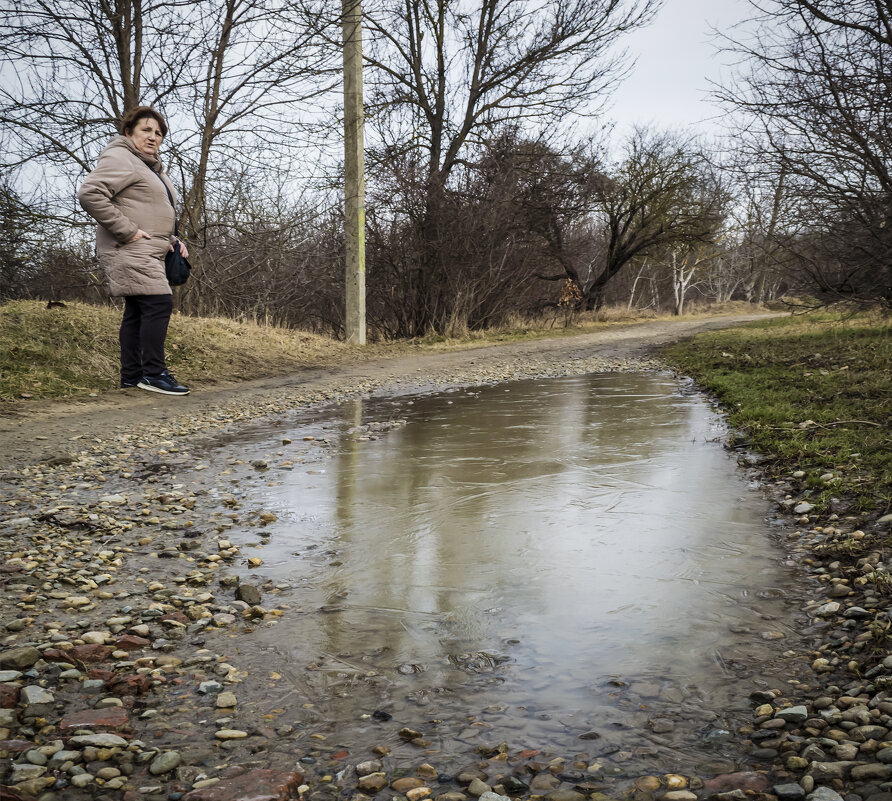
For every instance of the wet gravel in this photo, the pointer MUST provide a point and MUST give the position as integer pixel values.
(127, 611)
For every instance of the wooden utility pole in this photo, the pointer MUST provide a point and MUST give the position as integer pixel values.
(354, 167)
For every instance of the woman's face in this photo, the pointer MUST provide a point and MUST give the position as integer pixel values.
(146, 136)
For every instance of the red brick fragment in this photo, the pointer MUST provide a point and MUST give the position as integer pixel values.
(132, 642)
(128, 684)
(54, 655)
(101, 673)
(16, 746)
(91, 653)
(110, 719)
(748, 781)
(256, 785)
(177, 617)
(82, 654)
(9, 696)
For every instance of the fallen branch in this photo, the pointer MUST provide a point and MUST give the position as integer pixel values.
(812, 424)
(846, 422)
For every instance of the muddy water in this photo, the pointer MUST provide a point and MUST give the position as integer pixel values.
(572, 565)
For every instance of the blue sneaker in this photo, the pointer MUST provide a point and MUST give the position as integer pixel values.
(164, 383)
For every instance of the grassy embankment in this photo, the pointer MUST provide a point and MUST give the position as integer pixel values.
(70, 351)
(812, 392)
(73, 350)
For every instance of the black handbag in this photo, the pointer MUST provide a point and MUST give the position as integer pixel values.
(176, 265)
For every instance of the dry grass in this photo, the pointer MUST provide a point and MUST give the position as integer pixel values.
(59, 352)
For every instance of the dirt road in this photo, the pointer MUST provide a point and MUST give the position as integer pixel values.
(31, 432)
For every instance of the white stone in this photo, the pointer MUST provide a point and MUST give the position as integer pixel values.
(231, 734)
(824, 794)
(680, 795)
(60, 757)
(226, 700)
(77, 600)
(103, 740)
(8, 718)
(793, 714)
(113, 499)
(22, 772)
(33, 695)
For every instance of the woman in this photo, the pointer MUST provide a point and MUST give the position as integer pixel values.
(127, 194)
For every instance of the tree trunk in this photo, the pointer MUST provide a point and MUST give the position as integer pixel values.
(635, 284)
(678, 285)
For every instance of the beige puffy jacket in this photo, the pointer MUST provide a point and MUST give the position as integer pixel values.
(124, 194)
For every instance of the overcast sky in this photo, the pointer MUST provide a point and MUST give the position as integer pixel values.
(675, 59)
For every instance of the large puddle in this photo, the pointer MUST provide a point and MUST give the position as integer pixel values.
(571, 565)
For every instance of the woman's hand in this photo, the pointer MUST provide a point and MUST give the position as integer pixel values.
(183, 249)
(140, 234)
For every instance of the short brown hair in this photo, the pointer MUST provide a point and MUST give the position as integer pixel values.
(128, 123)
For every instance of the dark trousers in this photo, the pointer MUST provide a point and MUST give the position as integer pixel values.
(143, 331)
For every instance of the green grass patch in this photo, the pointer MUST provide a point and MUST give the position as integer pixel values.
(813, 392)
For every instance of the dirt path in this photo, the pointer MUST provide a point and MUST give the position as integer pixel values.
(34, 431)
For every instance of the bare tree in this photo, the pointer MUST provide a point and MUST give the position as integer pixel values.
(683, 271)
(641, 268)
(16, 256)
(814, 94)
(759, 259)
(272, 257)
(661, 194)
(725, 276)
(256, 77)
(445, 76)
(463, 70)
(231, 76)
(491, 223)
(71, 69)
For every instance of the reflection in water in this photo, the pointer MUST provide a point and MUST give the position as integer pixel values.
(568, 555)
